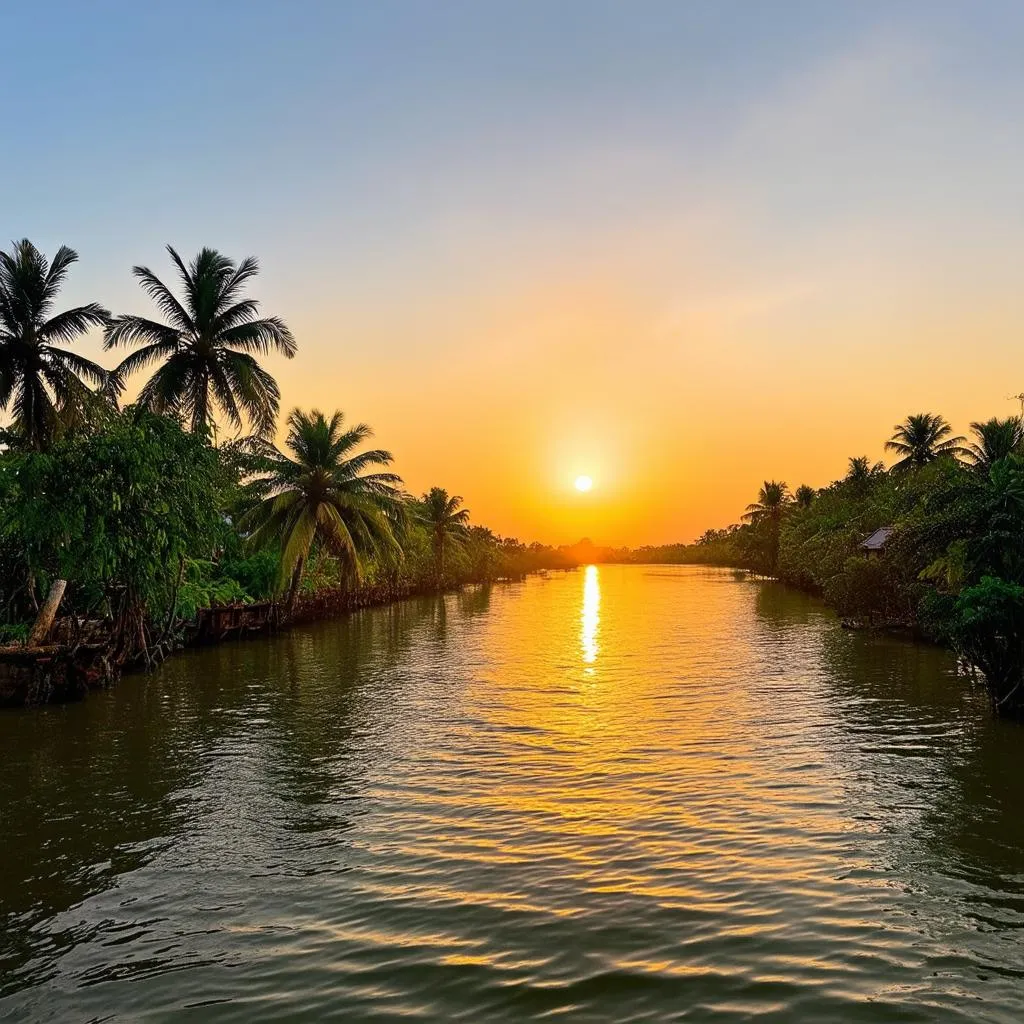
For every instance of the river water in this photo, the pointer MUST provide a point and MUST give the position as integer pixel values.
(617, 794)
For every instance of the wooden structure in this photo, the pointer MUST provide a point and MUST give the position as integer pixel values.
(874, 546)
(223, 621)
(53, 673)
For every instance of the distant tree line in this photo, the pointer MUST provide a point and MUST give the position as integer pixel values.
(134, 517)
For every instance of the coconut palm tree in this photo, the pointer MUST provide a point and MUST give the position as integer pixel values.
(207, 348)
(996, 439)
(37, 375)
(803, 496)
(446, 521)
(320, 492)
(773, 500)
(923, 438)
(860, 474)
(859, 470)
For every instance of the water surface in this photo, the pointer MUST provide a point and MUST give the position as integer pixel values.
(619, 794)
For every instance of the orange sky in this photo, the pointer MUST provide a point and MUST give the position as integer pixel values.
(676, 247)
(677, 404)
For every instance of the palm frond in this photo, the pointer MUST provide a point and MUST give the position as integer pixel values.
(78, 365)
(164, 298)
(132, 330)
(67, 326)
(263, 336)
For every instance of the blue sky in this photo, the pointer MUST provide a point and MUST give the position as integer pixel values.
(592, 229)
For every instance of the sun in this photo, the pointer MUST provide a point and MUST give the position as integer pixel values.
(583, 483)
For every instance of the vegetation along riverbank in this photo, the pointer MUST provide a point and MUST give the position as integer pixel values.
(121, 523)
(122, 526)
(932, 544)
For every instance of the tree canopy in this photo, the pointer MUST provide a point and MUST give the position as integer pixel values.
(207, 347)
(39, 376)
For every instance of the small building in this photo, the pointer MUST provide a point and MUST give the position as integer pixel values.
(874, 546)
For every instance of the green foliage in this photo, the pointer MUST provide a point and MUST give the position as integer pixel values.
(321, 494)
(870, 591)
(988, 628)
(953, 567)
(149, 524)
(994, 440)
(804, 496)
(14, 633)
(255, 573)
(765, 517)
(205, 585)
(117, 512)
(447, 522)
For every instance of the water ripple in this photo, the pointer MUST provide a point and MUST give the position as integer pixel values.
(623, 794)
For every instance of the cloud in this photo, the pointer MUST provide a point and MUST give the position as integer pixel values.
(868, 84)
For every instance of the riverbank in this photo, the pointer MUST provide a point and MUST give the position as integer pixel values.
(58, 673)
(933, 549)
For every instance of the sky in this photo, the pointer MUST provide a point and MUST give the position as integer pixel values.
(680, 247)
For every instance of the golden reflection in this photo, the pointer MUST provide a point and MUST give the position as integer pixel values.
(590, 616)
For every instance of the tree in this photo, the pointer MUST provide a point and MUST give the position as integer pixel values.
(36, 372)
(803, 496)
(116, 512)
(322, 494)
(988, 631)
(921, 439)
(772, 502)
(995, 439)
(208, 346)
(860, 475)
(446, 520)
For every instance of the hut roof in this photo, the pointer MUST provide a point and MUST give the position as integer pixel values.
(877, 540)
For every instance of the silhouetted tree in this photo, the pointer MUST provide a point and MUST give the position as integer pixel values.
(995, 439)
(446, 521)
(772, 502)
(921, 439)
(37, 375)
(803, 496)
(207, 347)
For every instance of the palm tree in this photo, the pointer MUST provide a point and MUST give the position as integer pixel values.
(804, 496)
(996, 439)
(321, 493)
(861, 473)
(207, 346)
(446, 521)
(36, 373)
(772, 502)
(923, 438)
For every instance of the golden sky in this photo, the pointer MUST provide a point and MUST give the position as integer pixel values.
(678, 247)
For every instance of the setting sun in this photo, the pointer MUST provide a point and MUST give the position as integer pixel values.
(584, 483)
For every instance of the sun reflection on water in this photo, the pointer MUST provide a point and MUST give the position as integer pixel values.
(590, 615)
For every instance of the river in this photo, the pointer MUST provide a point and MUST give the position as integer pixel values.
(620, 794)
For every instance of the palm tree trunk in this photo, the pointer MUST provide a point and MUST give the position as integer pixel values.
(293, 589)
(44, 620)
(201, 409)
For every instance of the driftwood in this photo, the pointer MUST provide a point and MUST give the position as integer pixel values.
(44, 620)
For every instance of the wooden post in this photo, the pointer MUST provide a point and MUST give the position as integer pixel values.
(44, 621)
